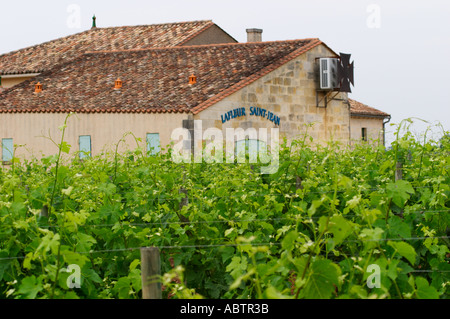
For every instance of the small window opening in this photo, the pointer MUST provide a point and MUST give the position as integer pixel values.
(364, 134)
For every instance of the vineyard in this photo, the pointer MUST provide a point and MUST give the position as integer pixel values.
(320, 227)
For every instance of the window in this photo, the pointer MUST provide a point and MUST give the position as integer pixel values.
(85, 146)
(153, 143)
(7, 150)
(364, 134)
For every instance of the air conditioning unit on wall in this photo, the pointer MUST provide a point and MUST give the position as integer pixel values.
(328, 69)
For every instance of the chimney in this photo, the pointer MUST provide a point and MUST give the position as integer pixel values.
(118, 84)
(254, 35)
(94, 22)
(38, 87)
(192, 79)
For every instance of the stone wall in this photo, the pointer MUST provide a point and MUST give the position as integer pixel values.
(288, 92)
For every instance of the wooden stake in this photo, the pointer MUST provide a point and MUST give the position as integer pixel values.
(298, 183)
(150, 272)
(44, 211)
(398, 171)
(185, 200)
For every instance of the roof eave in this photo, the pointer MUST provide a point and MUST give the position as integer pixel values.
(380, 116)
(18, 74)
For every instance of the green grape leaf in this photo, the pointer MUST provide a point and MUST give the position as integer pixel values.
(399, 192)
(30, 287)
(71, 257)
(134, 264)
(123, 287)
(371, 234)
(424, 290)
(92, 275)
(272, 293)
(322, 279)
(405, 250)
(340, 227)
(288, 242)
(227, 253)
(65, 147)
(398, 228)
(135, 279)
(237, 266)
(85, 242)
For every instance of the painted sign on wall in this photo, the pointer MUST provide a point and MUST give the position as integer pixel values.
(254, 111)
(233, 114)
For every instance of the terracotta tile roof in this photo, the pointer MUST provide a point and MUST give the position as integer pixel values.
(42, 57)
(154, 80)
(361, 110)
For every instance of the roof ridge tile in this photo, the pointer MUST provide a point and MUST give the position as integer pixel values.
(199, 46)
(37, 58)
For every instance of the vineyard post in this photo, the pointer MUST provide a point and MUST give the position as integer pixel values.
(298, 183)
(44, 211)
(398, 171)
(150, 273)
(185, 200)
(182, 190)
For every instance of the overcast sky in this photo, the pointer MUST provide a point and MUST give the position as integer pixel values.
(401, 48)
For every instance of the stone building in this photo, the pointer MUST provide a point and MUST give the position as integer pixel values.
(367, 122)
(151, 80)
